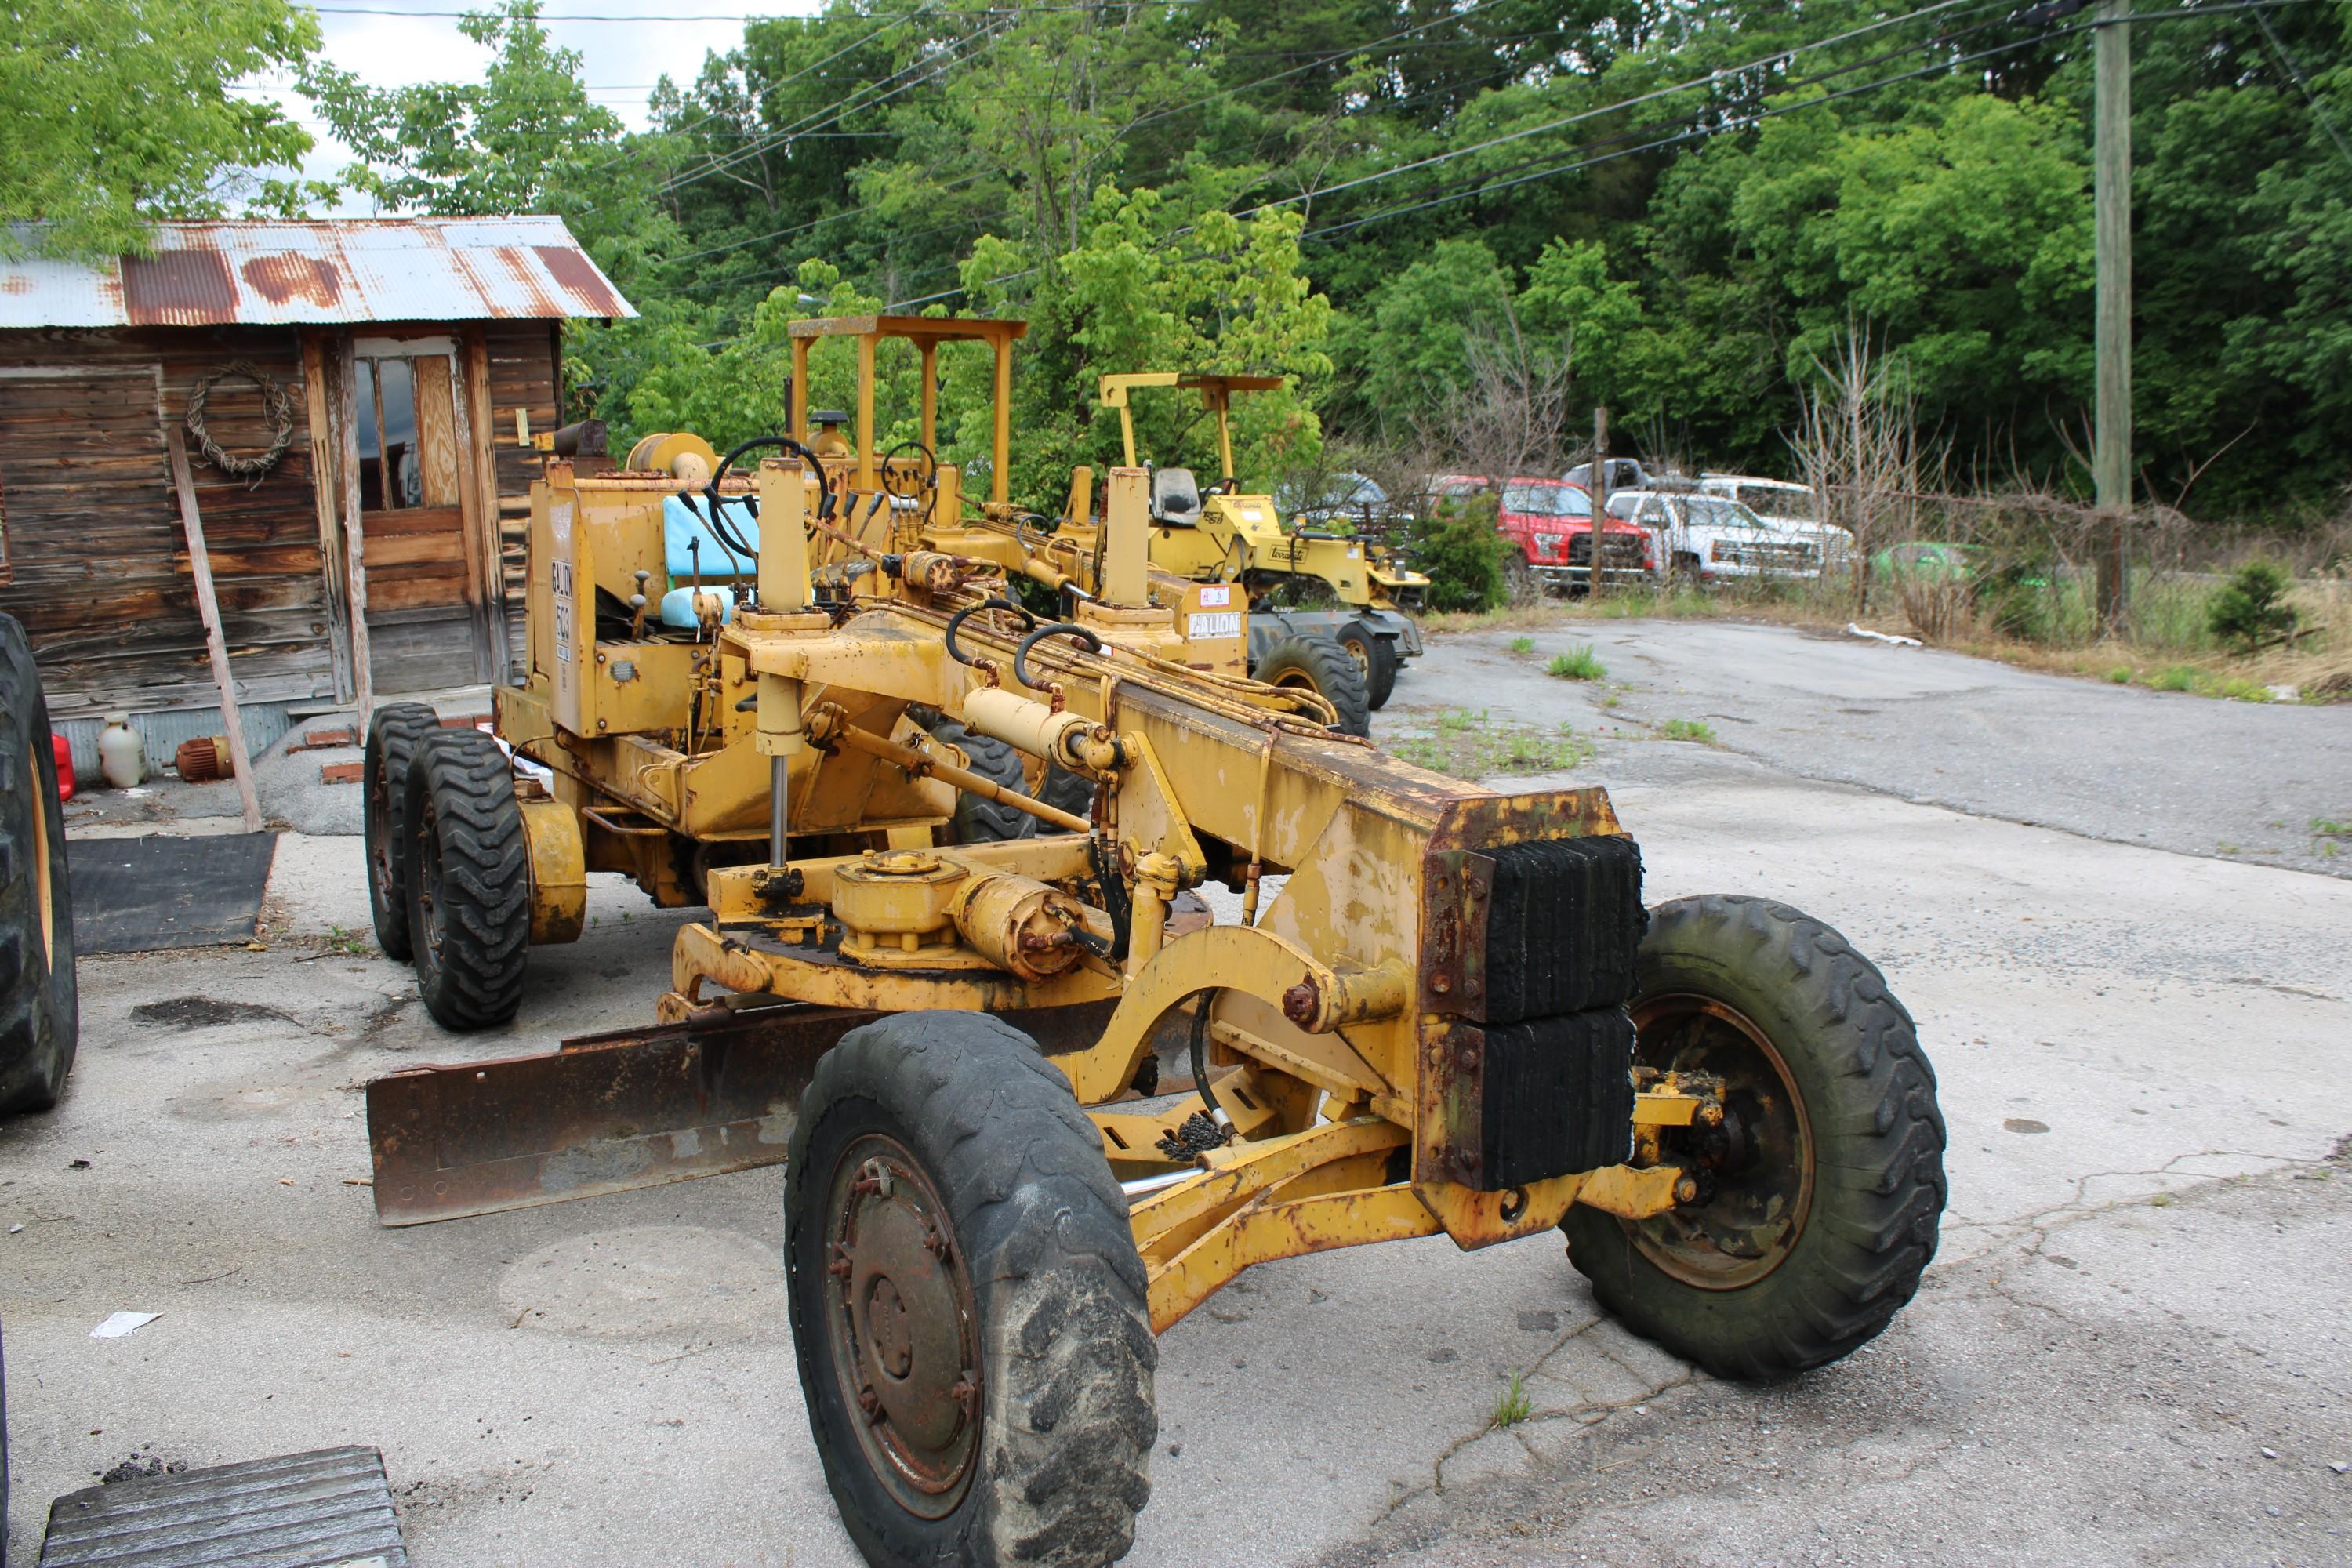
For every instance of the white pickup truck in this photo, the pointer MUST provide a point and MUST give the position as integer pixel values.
(1721, 529)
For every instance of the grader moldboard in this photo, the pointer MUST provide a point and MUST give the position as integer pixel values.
(1437, 1008)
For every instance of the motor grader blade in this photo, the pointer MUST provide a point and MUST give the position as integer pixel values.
(636, 1108)
(601, 1113)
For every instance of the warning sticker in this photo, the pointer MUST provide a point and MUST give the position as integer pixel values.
(1227, 624)
(1216, 597)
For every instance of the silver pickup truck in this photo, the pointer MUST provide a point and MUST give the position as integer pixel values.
(1720, 529)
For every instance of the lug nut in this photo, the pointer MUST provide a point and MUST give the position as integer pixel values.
(1686, 1190)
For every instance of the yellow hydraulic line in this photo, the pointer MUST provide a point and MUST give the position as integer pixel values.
(919, 764)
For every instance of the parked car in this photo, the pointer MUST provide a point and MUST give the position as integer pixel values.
(1789, 507)
(1927, 561)
(1549, 524)
(1349, 500)
(1702, 538)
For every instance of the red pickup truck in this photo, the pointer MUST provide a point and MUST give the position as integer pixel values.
(1549, 525)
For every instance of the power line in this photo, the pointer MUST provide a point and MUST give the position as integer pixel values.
(973, 46)
(649, 16)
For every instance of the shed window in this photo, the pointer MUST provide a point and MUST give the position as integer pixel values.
(408, 439)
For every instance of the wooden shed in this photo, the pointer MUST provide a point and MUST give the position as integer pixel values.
(399, 367)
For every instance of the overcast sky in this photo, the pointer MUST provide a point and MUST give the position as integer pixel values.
(622, 59)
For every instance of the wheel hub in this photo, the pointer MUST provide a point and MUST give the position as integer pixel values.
(905, 1333)
(1754, 1167)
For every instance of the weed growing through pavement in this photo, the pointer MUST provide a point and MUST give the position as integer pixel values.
(350, 943)
(1470, 745)
(2327, 835)
(1523, 646)
(1687, 730)
(1579, 663)
(1515, 1407)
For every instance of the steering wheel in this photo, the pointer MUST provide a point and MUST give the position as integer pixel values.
(917, 482)
(711, 492)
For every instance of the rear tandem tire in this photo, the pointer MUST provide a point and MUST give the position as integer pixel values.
(1826, 1185)
(1375, 657)
(990, 1308)
(40, 1008)
(467, 875)
(1321, 665)
(394, 733)
(977, 819)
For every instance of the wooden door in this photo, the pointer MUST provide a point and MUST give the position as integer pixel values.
(424, 597)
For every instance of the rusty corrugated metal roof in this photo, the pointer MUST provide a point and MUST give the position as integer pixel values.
(350, 269)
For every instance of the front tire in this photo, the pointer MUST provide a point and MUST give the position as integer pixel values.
(1521, 587)
(1375, 657)
(467, 874)
(40, 1006)
(1821, 1191)
(1321, 666)
(394, 733)
(968, 1309)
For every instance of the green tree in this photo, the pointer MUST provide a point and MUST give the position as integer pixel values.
(112, 115)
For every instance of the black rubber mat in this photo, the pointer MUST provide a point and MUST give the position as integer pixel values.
(331, 1508)
(136, 894)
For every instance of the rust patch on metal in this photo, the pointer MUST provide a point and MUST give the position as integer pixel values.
(178, 288)
(290, 275)
(576, 273)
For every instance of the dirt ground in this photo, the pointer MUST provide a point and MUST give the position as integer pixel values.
(2131, 1349)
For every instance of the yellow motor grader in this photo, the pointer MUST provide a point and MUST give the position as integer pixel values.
(1035, 1098)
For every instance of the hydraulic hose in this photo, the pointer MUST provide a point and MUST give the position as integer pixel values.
(1059, 628)
(959, 618)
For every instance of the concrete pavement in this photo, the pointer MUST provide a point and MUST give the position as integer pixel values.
(611, 1381)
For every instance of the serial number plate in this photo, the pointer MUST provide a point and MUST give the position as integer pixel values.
(1226, 624)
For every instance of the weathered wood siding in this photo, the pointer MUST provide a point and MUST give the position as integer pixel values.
(96, 561)
(98, 564)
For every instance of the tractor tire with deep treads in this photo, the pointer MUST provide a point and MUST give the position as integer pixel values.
(394, 733)
(979, 820)
(1822, 1189)
(968, 1309)
(40, 1008)
(1068, 791)
(1321, 665)
(467, 875)
(1375, 657)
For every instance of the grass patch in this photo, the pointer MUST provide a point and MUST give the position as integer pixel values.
(1523, 646)
(1579, 663)
(2207, 683)
(2328, 827)
(1515, 1407)
(1687, 730)
(1476, 745)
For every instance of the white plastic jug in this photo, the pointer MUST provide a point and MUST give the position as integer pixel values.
(121, 754)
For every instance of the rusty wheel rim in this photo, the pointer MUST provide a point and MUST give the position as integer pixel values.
(1362, 656)
(380, 844)
(1755, 1171)
(428, 887)
(904, 1334)
(1297, 681)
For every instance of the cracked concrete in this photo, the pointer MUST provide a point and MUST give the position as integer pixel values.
(599, 1382)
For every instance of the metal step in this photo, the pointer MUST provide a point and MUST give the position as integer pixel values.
(331, 1508)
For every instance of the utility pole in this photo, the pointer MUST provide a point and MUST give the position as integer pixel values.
(2111, 441)
(1593, 575)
